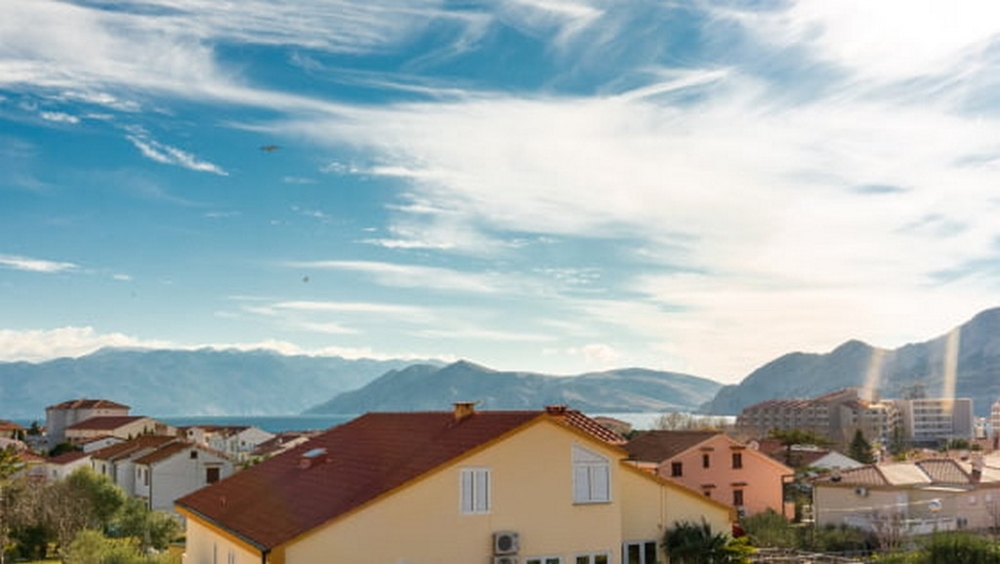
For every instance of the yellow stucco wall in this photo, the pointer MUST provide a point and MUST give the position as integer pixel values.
(652, 506)
(207, 545)
(532, 494)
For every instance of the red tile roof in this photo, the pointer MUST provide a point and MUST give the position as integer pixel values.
(88, 404)
(105, 423)
(9, 426)
(67, 457)
(350, 465)
(166, 451)
(657, 446)
(128, 448)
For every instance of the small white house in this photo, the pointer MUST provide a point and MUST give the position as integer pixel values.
(59, 467)
(177, 469)
(237, 442)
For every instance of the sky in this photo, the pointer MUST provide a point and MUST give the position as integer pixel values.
(557, 186)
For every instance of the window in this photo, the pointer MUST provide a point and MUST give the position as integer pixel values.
(591, 477)
(706, 460)
(231, 557)
(643, 552)
(543, 560)
(737, 460)
(211, 474)
(193, 454)
(676, 469)
(475, 490)
(738, 497)
(593, 558)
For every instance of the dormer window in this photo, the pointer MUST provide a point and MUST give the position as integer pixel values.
(591, 477)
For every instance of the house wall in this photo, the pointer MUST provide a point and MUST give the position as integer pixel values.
(56, 472)
(650, 508)
(760, 477)
(126, 431)
(979, 507)
(178, 476)
(56, 420)
(208, 545)
(532, 494)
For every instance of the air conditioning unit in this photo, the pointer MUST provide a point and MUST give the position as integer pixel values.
(505, 542)
(505, 559)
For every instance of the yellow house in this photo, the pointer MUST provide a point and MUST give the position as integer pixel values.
(491, 487)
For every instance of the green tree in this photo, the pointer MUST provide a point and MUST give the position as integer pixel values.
(154, 529)
(92, 547)
(692, 543)
(769, 529)
(791, 437)
(860, 449)
(10, 464)
(102, 499)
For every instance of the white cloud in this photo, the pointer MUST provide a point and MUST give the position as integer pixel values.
(886, 40)
(28, 264)
(410, 276)
(46, 344)
(59, 117)
(166, 154)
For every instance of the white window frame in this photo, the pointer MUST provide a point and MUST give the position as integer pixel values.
(543, 560)
(591, 476)
(475, 488)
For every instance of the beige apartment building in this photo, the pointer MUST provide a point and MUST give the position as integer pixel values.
(836, 416)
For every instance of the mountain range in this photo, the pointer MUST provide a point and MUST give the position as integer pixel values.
(427, 387)
(964, 361)
(184, 382)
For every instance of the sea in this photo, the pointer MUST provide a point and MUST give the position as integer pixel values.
(280, 423)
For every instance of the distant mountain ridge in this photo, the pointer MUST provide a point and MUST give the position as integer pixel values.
(425, 387)
(970, 352)
(228, 382)
(184, 382)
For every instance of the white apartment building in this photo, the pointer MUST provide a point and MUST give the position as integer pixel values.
(932, 420)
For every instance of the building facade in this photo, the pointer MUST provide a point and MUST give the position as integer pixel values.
(492, 486)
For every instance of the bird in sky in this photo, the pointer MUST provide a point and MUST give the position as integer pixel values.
(269, 148)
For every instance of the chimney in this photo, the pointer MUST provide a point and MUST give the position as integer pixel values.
(556, 410)
(463, 409)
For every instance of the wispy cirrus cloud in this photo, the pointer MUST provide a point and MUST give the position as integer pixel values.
(166, 154)
(410, 276)
(28, 264)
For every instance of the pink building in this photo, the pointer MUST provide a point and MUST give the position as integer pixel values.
(715, 465)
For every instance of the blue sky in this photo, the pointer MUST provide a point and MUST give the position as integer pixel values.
(548, 185)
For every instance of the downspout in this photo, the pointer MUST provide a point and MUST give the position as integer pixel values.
(263, 555)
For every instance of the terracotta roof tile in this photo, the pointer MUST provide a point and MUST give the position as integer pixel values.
(944, 471)
(67, 457)
(9, 426)
(88, 404)
(657, 446)
(129, 448)
(164, 452)
(278, 499)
